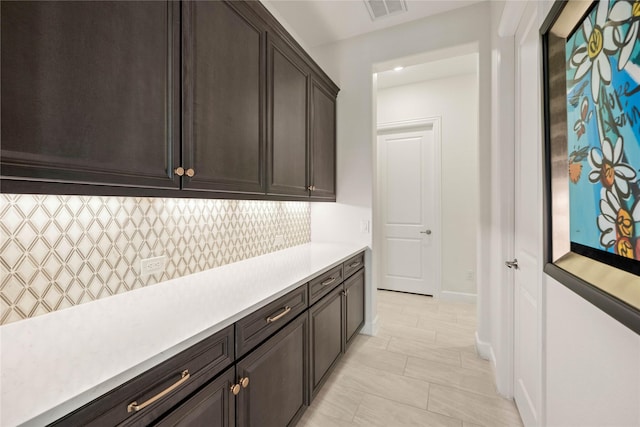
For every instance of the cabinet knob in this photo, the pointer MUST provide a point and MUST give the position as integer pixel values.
(190, 173)
(235, 389)
(244, 382)
(179, 171)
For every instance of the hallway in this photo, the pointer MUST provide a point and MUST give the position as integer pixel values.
(421, 370)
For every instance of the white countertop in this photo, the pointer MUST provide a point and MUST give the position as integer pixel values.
(53, 364)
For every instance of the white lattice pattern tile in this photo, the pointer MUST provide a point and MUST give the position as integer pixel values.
(60, 251)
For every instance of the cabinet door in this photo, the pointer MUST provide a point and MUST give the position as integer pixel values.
(326, 336)
(287, 138)
(323, 142)
(224, 70)
(212, 406)
(354, 306)
(276, 395)
(90, 92)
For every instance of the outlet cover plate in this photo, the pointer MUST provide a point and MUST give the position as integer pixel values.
(152, 265)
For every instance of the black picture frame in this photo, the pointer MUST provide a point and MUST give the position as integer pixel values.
(600, 278)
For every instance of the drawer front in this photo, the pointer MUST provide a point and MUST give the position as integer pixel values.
(261, 324)
(203, 361)
(323, 284)
(353, 264)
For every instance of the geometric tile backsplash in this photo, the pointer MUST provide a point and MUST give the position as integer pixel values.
(60, 251)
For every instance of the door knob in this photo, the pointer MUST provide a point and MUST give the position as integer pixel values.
(512, 264)
(427, 232)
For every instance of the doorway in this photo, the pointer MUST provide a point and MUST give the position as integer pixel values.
(409, 177)
(446, 88)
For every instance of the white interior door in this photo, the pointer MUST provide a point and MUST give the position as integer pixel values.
(409, 179)
(528, 224)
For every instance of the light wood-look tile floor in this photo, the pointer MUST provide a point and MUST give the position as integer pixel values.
(420, 370)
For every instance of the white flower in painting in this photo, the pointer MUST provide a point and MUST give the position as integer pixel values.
(626, 12)
(593, 55)
(615, 222)
(609, 206)
(607, 167)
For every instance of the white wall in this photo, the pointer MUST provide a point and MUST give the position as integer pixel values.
(455, 100)
(592, 361)
(591, 367)
(350, 63)
(593, 364)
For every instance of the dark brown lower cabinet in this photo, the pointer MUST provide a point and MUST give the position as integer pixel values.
(354, 305)
(325, 332)
(213, 406)
(269, 382)
(276, 395)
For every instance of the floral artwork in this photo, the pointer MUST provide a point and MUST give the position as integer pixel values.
(603, 120)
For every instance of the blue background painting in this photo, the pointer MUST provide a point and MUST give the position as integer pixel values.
(602, 115)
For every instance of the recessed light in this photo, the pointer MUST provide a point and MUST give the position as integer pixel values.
(398, 68)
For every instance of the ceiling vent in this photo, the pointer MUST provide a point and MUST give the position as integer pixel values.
(380, 8)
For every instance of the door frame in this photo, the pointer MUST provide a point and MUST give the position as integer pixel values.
(426, 123)
(504, 124)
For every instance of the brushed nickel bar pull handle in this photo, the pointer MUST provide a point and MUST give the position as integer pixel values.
(355, 264)
(328, 281)
(134, 407)
(287, 309)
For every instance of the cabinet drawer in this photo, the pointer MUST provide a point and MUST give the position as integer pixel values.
(353, 264)
(202, 361)
(323, 284)
(259, 325)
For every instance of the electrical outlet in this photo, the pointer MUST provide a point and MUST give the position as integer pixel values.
(152, 265)
(278, 240)
(364, 226)
(470, 275)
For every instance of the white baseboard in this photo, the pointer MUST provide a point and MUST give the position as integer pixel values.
(370, 328)
(485, 351)
(458, 297)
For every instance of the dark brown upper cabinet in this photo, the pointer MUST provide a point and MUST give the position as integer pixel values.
(288, 130)
(323, 141)
(224, 97)
(301, 125)
(208, 99)
(91, 92)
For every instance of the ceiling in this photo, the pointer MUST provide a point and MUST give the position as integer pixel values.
(447, 67)
(320, 22)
